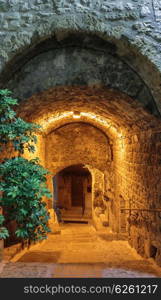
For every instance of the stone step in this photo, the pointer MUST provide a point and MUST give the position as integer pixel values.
(69, 213)
(76, 219)
(75, 209)
(75, 213)
(94, 236)
(113, 236)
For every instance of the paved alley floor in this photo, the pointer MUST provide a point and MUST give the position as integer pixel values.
(80, 252)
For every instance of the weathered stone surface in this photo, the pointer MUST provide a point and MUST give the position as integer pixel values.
(103, 107)
(138, 170)
(80, 65)
(131, 174)
(72, 145)
(35, 55)
(79, 251)
(25, 23)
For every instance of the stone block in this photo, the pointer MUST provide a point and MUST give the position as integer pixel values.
(13, 25)
(12, 16)
(145, 11)
(158, 257)
(147, 248)
(103, 218)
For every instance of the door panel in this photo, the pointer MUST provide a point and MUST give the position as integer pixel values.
(77, 190)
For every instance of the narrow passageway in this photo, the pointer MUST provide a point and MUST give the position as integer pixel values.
(88, 73)
(81, 251)
(104, 165)
(102, 149)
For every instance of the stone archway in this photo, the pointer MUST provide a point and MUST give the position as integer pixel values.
(73, 194)
(93, 68)
(134, 39)
(74, 144)
(113, 135)
(79, 59)
(92, 207)
(128, 129)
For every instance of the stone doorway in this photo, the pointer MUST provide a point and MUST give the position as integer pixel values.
(73, 194)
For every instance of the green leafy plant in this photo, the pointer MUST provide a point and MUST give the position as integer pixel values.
(3, 230)
(14, 130)
(22, 181)
(23, 185)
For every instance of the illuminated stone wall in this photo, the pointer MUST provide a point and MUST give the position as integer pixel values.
(118, 140)
(128, 127)
(137, 180)
(77, 143)
(80, 143)
(115, 44)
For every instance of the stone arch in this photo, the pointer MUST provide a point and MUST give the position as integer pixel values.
(76, 144)
(101, 107)
(125, 71)
(95, 208)
(132, 31)
(122, 119)
(132, 27)
(68, 164)
(68, 204)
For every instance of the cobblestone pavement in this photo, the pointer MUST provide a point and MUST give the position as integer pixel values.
(80, 252)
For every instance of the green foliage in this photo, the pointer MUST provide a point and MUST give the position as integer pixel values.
(23, 182)
(3, 230)
(12, 128)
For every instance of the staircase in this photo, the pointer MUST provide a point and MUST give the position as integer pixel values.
(74, 214)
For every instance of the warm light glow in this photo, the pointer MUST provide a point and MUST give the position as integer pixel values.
(57, 117)
(76, 115)
(96, 118)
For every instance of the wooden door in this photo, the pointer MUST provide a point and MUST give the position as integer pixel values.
(77, 190)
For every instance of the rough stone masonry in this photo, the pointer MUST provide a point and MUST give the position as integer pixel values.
(101, 45)
(133, 26)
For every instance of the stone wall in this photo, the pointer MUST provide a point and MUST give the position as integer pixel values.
(99, 208)
(81, 143)
(119, 41)
(132, 26)
(128, 127)
(81, 60)
(76, 144)
(137, 160)
(112, 112)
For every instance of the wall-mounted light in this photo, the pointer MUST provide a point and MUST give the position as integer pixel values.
(76, 114)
